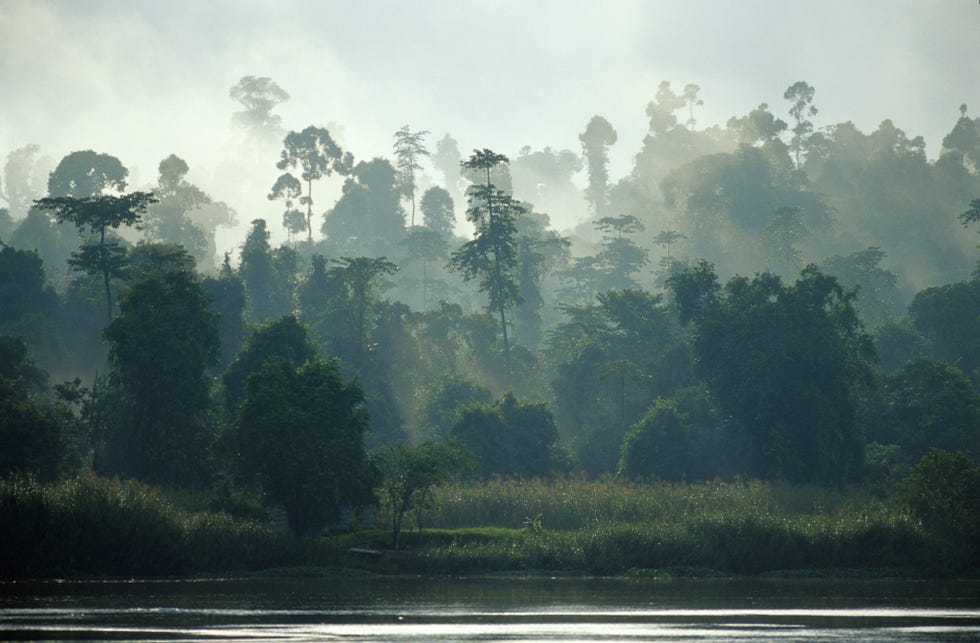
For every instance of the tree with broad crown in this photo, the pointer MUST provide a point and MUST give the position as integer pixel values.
(87, 174)
(160, 346)
(315, 153)
(786, 363)
(409, 473)
(492, 254)
(259, 96)
(438, 211)
(300, 439)
(596, 139)
(95, 216)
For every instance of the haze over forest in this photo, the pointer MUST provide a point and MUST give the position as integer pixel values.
(308, 255)
(142, 80)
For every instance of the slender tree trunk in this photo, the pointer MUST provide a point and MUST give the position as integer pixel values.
(105, 276)
(309, 210)
(496, 276)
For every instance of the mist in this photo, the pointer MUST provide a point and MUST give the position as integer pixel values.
(141, 80)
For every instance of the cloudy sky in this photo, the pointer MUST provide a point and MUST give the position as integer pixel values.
(144, 79)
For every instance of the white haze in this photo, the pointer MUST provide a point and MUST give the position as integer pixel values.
(144, 79)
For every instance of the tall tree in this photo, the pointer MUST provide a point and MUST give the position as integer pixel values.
(447, 160)
(259, 96)
(800, 95)
(596, 139)
(359, 280)
(87, 174)
(425, 245)
(661, 109)
(96, 216)
(620, 256)
(300, 438)
(22, 179)
(160, 347)
(288, 188)
(691, 98)
(778, 239)
(409, 148)
(787, 364)
(368, 219)
(510, 437)
(438, 211)
(491, 255)
(315, 153)
(168, 220)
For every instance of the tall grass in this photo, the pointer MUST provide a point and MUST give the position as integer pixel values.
(575, 503)
(94, 526)
(608, 527)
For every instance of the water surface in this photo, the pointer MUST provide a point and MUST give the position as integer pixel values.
(492, 609)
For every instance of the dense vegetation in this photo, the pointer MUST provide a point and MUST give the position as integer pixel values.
(792, 306)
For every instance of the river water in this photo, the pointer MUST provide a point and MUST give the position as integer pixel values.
(492, 609)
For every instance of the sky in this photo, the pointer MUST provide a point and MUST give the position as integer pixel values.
(142, 79)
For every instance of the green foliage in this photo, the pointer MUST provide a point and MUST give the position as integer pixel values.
(95, 216)
(259, 96)
(409, 147)
(160, 347)
(168, 220)
(786, 364)
(227, 293)
(605, 527)
(314, 152)
(491, 256)
(875, 285)
(28, 301)
(284, 339)
(268, 280)
(612, 359)
(31, 440)
(438, 211)
(444, 400)
(510, 438)
(368, 218)
(596, 139)
(933, 405)
(409, 473)
(86, 174)
(677, 439)
(946, 316)
(943, 491)
(300, 437)
(106, 528)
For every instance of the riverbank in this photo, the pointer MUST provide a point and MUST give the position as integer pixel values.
(95, 528)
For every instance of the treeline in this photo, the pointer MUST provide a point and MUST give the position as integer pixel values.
(390, 355)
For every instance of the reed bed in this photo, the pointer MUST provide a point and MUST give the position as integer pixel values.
(611, 527)
(97, 527)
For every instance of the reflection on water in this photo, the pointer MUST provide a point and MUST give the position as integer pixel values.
(535, 609)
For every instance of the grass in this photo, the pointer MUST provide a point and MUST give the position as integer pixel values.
(97, 527)
(94, 527)
(607, 527)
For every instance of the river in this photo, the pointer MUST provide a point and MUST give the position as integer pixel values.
(491, 609)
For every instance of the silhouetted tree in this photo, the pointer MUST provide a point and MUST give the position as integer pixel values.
(315, 153)
(259, 96)
(596, 139)
(409, 148)
(96, 216)
(492, 254)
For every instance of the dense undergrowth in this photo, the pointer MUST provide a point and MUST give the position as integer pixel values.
(608, 527)
(95, 527)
